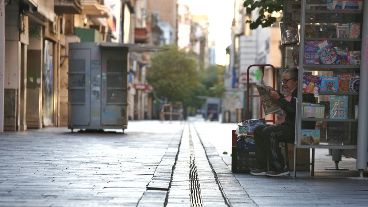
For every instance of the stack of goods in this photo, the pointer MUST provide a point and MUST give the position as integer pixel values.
(344, 4)
(324, 52)
(342, 83)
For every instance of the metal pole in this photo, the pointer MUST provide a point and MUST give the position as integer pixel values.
(363, 97)
(2, 62)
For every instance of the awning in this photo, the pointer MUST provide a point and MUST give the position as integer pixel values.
(99, 21)
(140, 35)
(46, 8)
(41, 8)
(144, 48)
(68, 7)
(133, 47)
(95, 9)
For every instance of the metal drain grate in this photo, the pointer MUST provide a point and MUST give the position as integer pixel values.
(195, 187)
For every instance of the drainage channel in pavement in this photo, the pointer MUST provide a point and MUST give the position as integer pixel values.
(193, 182)
(191, 173)
(233, 193)
(184, 176)
(195, 186)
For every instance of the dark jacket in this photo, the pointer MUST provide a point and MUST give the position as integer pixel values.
(290, 109)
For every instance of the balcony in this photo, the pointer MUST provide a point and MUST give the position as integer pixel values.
(140, 35)
(68, 7)
(94, 8)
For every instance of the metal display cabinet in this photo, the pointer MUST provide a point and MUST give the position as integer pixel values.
(330, 45)
(97, 86)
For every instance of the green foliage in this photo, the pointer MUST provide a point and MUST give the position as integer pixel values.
(266, 8)
(213, 81)
(174, 76)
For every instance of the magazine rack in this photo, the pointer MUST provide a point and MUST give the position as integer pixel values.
(329, 67)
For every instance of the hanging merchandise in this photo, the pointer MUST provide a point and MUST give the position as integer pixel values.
(289, 33)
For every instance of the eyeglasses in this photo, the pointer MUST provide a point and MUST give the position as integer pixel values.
(284, 81)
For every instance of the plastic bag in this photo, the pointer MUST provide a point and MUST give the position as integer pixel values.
(247, 127)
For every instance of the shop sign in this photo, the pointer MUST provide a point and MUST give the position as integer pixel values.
(255, 76)
(143, 86)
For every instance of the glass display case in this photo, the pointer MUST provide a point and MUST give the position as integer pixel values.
(329, 67)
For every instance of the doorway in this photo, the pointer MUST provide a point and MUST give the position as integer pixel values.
(48, 84)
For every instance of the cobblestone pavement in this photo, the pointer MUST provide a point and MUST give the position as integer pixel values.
(199, 177)
(326, 188)
(54, 167)
(155, 164)
(210, 181)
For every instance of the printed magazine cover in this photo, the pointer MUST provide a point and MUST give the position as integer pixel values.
(344, 80)
(338, 107)
(329, 84)
(269, 105)
(311, 83)
(310, 136)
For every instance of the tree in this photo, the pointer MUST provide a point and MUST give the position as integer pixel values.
(173, 75)
(213, 81)
(265, 10)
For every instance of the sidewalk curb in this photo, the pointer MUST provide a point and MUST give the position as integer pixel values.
(234, 194)
(157, 189)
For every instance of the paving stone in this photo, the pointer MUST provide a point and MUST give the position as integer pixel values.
(325, 189)
(54, 167)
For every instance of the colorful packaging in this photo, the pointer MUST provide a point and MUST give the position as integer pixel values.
(334, 4)
(354, 57)
(342, 56)
(313, 111)
(311, 83)
(344, 82)
(339, 107)
(329, 84)
(344, 4)
(310, 136)
(354, 84)
(327, 54)
(353, 4)
(342, 30)
(354, 30)
(311, 52)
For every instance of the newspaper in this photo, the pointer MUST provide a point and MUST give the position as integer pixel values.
(269, 105)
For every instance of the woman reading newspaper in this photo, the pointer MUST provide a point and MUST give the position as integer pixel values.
(267, 137)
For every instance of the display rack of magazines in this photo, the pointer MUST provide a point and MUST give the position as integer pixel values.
(329, 64)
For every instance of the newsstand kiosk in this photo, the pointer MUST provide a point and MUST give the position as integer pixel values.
(97, 86)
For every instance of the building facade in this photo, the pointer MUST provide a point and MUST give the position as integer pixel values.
(155, 24)
(259, 46)
(34, 45)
